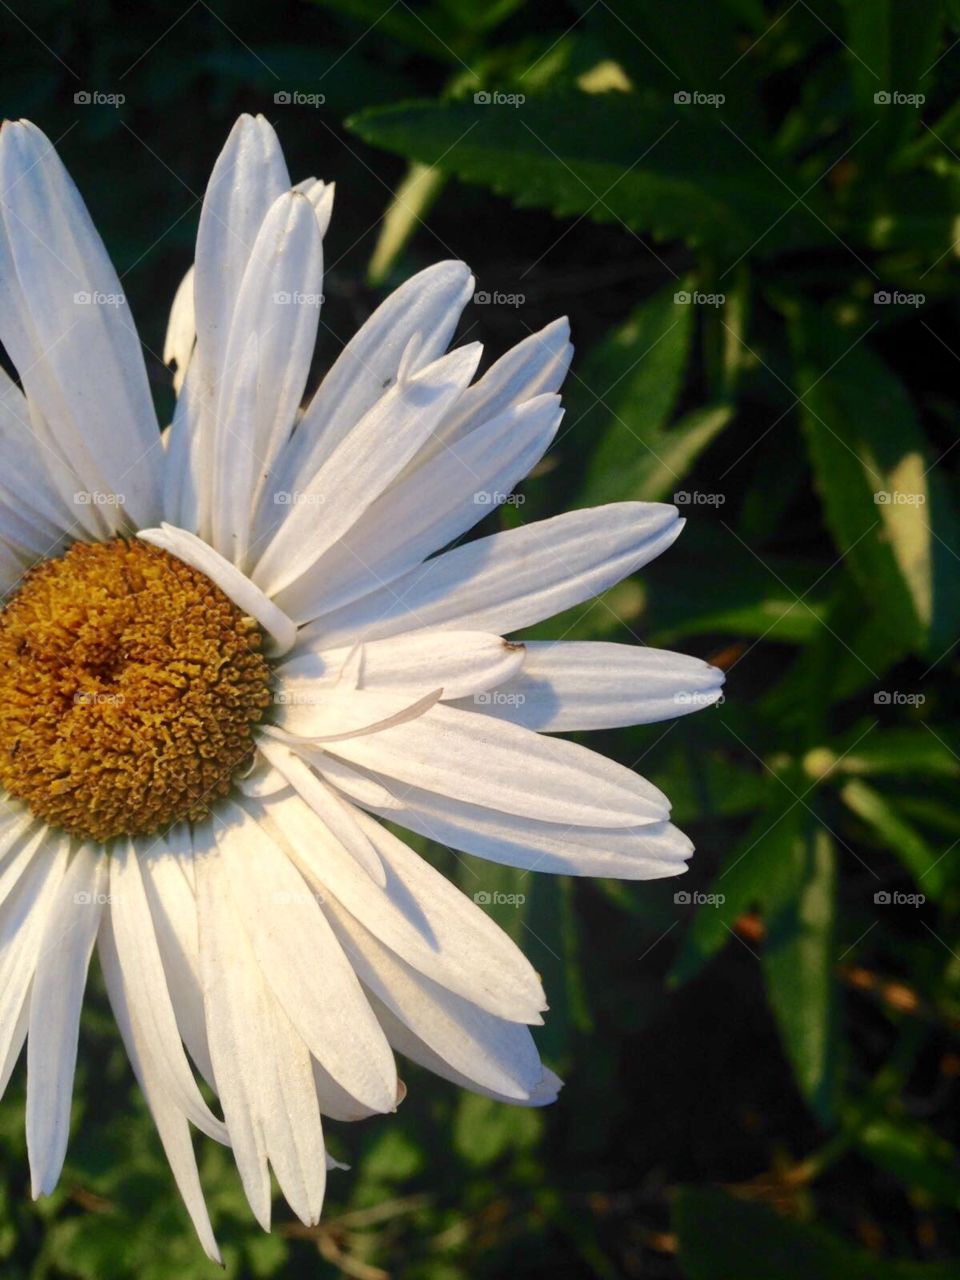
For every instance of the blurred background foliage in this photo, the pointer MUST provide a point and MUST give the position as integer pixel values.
(762, 1072)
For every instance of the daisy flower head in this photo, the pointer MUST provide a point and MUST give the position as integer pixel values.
(228, 651)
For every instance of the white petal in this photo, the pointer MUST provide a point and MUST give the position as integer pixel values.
(461, 662)
(244, 594)
(511, 579)
(247, 178)
(173, 909)
(503, 766)
(380, 445)
(277, 307)
(147, 993)
(534, 367)
(68, 329)
(262, 1065)
(302, 962)
(321, 195)
(428, 304)
(337, 714)
(648, 852)
(181, 330)
(171, 1124)
(569, 686)
(411, 1046)
(419, 915)
(434, 504)
(496, 1054)
(23, 918)
(55, 1001)
(336, 815)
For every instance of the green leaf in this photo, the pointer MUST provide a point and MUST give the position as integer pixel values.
(892, 48)
(921, 1159)
(887, 510)
(798, 961)
(409, 205)
(925, 864)
(725, 1238)
(641, 161)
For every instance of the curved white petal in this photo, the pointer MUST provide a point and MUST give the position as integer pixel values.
(302, 962)
(511, 579)
(534, 367)
(459, 662)
(330, 501)
(506, 767)
(171, 1123)
(586, 685)
(147, 993)
(277, 309)
(23, 918)
(55, 1000)
(433, 504)
(67, 327)
(429, 304)
(173, 909)
(244, 594)
(419, 914)
(411, 1046)
(647, 852)
(497, 1054)
(335, 813)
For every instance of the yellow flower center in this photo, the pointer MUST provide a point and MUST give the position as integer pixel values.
(129, 690)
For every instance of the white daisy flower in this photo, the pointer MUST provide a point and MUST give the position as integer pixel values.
(224, 657)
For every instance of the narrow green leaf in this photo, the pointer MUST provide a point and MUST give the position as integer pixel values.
(886, 509)
(925, 864)
(798, 961)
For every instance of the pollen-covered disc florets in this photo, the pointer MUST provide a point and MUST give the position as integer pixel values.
(129, 689)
